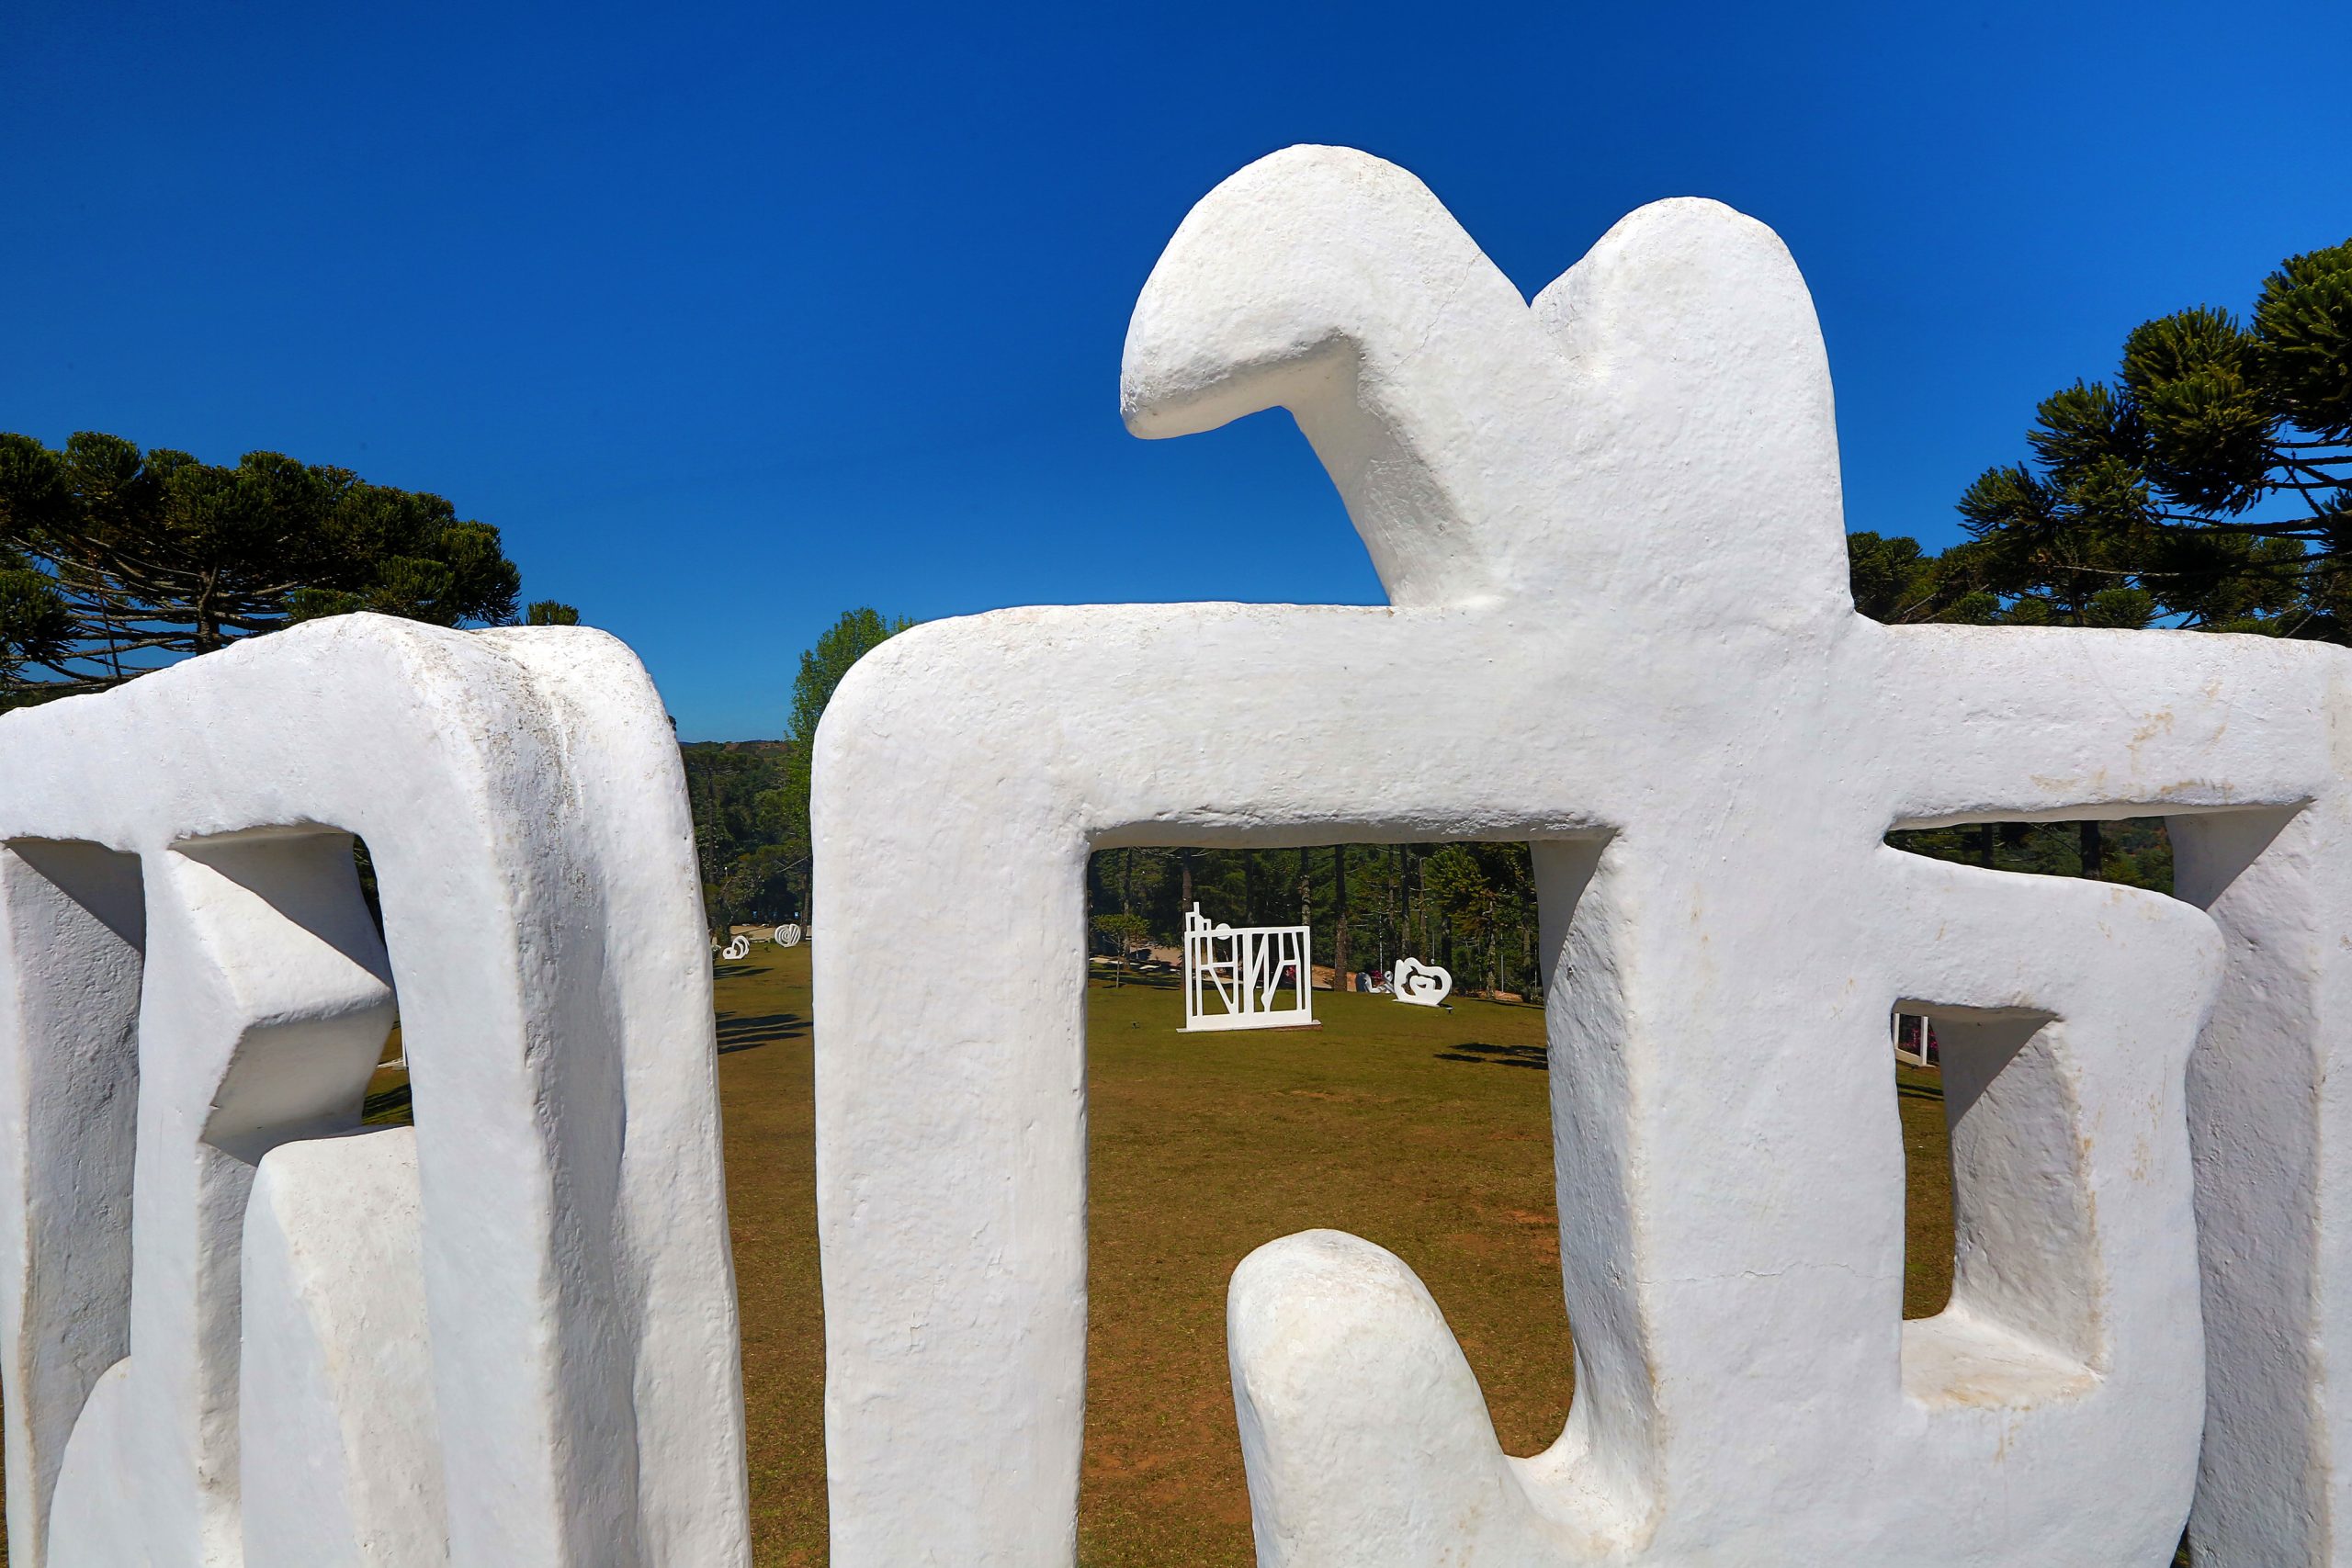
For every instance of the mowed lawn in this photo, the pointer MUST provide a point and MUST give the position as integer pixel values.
(1425, 1130)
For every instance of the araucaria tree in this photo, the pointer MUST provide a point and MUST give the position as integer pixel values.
(2208, 486)
(114, 560)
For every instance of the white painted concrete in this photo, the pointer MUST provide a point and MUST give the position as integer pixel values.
(1609, 527)
(335, 1417)
(193, 995)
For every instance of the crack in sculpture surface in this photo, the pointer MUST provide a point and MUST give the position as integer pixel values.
(1617, 507)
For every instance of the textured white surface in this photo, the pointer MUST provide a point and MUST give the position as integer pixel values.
(1610, 528)
(335, 1410)
(521, 796)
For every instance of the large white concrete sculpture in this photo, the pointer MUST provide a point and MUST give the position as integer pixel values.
(235, 1328)
(1608, 525)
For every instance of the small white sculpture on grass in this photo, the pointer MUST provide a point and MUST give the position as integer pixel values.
(1620, 628)
(1247, 970)
(739, 947)
(1423, 984)
(506, 1335)
(787, 936)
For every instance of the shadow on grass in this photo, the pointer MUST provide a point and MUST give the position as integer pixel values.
(740, 1033)
(390, 1108)
(1110, 980)
(1500, 1055)
(1918, 1090)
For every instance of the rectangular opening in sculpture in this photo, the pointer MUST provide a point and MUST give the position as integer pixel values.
(1424, 1128)
(1928, 1247)
(2135, 851)
(2016, 1323)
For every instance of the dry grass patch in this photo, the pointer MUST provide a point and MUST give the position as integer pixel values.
(1427, 1132)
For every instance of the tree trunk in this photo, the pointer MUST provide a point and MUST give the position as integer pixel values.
(1984, 844)
(1184, 900)
(1342, 978)
(2094, 851)
(1248, 888)
(1127, 906)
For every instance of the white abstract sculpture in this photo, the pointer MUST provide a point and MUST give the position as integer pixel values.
(787, 936)
(1610, 528)
(1247, 969)
(1424, 984)
(237, 1329)
(738, 946)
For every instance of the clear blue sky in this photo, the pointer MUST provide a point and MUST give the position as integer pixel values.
(732, 317)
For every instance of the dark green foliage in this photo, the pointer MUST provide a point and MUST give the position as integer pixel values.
(2209, 487)
(551, 612)
(850, 638)
(114, 560)
(1896, 582)
(2136, 851)
(751, 797)
(754, 865)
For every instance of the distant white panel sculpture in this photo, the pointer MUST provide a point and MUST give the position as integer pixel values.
(1609, 527)
(1424, 984)
(1247, 970)
(787, 936)
(236, 1327)
(738, 946)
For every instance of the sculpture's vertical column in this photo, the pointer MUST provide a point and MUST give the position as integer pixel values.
(2271, 1127)
(75, 925)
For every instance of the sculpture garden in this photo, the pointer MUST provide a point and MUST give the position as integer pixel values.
(408, 1158)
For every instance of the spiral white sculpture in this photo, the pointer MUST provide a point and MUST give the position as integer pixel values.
(787, 936)
(1423, 984)
(740, 947)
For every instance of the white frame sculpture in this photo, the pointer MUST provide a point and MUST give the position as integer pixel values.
(1247, 978)
(1610, 526)
(237, 1329)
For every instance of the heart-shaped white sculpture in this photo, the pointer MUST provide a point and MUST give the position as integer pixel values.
(1423, 984)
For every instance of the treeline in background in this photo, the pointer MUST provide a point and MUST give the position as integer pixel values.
(1470, 907)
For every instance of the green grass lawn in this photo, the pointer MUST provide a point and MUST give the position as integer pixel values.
(1425, 1130)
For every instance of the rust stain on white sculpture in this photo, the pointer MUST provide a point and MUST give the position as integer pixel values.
(1609, 527)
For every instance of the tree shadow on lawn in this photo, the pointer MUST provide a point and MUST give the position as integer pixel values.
(737, 1033)
(1534, 1056)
